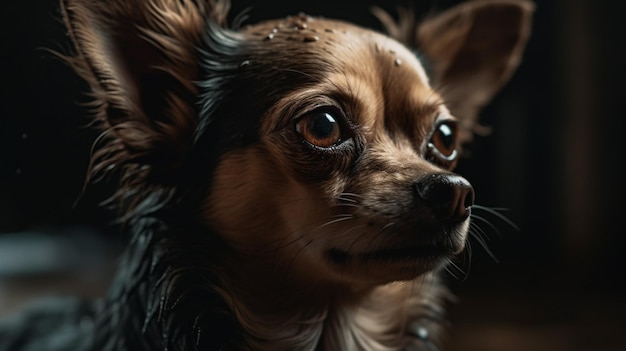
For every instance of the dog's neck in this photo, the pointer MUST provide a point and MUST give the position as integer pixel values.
(278, 314)
(159, 291)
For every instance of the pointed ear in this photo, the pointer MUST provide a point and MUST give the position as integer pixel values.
(140, 59)
(472, 50)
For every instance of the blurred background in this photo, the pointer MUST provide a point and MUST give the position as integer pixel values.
(553, 164)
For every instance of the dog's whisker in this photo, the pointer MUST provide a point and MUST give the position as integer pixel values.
(347, 205)
(467, 255)
(482, 220)
(476, 236)
(266, 249)
(451, 272)
(358, 196)
(349, 197)
(343, 215)
(337, 220)
(341, 198)
(476, 230)
(494, 212)
(386, 226)
(293, 238)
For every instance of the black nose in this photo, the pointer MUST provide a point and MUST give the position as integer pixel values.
(449, 196)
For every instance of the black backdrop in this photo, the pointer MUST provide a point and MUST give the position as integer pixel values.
(554, 159)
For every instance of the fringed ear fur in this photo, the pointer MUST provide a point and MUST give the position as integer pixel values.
(141, 60)
(472, 50)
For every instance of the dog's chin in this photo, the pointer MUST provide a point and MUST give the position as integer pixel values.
(382, 266)
(400, 260)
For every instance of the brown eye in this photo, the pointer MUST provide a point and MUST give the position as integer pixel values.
(442, 144)
(319, 128)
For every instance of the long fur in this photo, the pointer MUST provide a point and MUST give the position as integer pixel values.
(226, 207)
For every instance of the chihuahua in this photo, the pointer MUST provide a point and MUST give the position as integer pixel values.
(285, 185)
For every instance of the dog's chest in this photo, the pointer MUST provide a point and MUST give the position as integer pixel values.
(340, 330)
(376, 322)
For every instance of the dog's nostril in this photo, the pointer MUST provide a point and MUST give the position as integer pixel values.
(434, 191)
(448, 195)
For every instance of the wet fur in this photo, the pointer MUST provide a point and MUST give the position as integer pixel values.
(231, 215)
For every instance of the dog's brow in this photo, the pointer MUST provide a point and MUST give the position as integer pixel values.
(430, 108)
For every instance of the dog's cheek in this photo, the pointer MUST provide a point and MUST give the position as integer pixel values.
(244, 186)
(256, 206)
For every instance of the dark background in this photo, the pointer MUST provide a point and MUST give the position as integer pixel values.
(554, 162)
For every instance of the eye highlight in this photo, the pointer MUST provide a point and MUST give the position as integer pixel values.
(441, 148)
(320, 128)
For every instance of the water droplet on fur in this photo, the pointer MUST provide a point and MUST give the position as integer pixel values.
(300, 25)
(310, 38)
(269, 36)
(398, 62)
(274, 30)
(244, 64)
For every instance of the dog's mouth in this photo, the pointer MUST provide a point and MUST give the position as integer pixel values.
(400, 256)
(390, 263)
(408, 255)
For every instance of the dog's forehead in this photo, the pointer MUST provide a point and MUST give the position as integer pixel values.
(343, 41)
(381, 80)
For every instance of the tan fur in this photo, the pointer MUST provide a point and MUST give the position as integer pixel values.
(283, 208)
(275, 221)
(497, 30)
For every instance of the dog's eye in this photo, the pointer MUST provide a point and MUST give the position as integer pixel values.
(442, 144)
(319, 128)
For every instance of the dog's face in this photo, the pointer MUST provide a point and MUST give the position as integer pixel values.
(335, 151)
(349, 178)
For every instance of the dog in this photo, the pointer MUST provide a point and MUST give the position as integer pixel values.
(286, 185)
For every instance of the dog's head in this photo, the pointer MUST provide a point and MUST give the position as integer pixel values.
(325, 147)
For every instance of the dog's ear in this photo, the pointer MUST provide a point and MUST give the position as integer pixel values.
(140, 59)
(472, 50)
